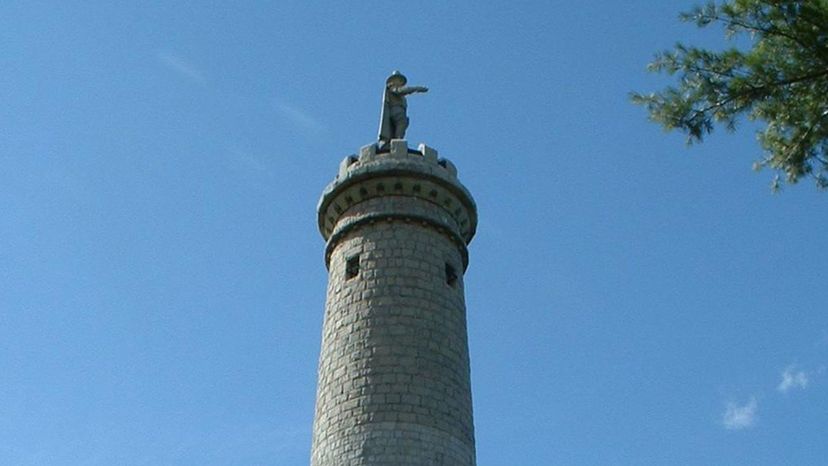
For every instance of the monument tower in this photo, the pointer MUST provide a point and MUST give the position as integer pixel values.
(394, 386)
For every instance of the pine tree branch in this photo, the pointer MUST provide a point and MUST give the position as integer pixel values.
(770, 31)
(798, 79)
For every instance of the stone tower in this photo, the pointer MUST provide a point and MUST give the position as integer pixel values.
(394, 383)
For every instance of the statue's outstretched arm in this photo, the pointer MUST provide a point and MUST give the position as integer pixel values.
(409, 89)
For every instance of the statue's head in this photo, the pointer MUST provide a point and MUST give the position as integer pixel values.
(396, 79)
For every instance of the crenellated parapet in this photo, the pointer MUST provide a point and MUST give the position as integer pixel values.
(399, 185)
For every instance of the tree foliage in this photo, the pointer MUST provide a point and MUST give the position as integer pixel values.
(782, 80)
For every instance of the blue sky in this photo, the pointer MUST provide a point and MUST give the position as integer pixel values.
(630, 300)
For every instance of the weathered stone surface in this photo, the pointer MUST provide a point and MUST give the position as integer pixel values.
(394, 386)
(429, 154)
(367, 153)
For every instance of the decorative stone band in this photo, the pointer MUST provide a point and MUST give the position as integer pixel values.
(356, 222)
(400, 172)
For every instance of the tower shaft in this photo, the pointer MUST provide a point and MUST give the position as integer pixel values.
(394, 385)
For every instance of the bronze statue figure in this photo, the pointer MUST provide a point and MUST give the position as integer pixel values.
(394, 120)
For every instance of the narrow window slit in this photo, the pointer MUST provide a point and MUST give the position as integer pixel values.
(451, 275)
(352, 267)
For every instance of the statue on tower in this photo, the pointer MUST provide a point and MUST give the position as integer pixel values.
(393, 119)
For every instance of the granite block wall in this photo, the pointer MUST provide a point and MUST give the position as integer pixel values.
(394, 381)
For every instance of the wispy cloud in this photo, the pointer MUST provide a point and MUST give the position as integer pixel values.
(247, 161)
(181, 66)
(249, 165)
(792, 378)
(299, 117)
(740, 416)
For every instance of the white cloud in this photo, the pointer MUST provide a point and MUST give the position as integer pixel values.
(181, 66)
(299, 117)
(792, 378)
(738, 417)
